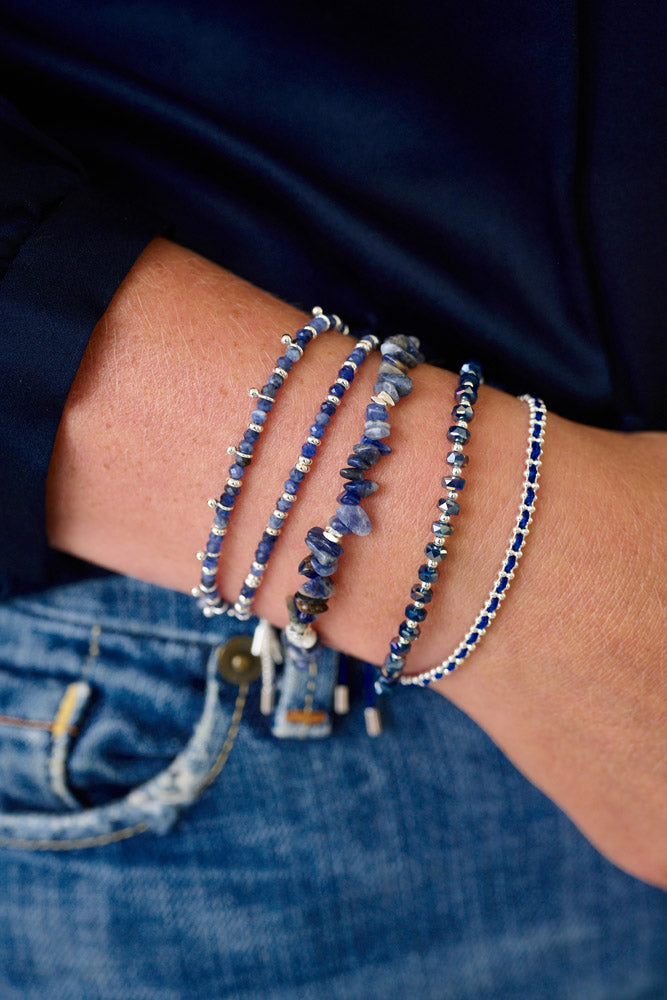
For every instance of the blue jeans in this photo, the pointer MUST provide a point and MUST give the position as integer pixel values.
(158, 843)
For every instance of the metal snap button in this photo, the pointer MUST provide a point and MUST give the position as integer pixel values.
(236, 664)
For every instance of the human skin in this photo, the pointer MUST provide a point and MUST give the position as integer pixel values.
(568, 681)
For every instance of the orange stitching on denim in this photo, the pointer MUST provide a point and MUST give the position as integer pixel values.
(12, 720)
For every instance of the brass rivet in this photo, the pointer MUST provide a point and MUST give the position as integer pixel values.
(236, 664)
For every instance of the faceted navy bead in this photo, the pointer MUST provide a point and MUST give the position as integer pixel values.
(320, 323)
(265, 405)
(214, 543)
(227, 501)
(457, 459)
(268, 390)
(458, 434)
(323, 419)
(358, 355)
(383, 448)
(348, 499)
(370, 452)
(510, 564)
(530, 496)
(247, 591)
(493, 604)
(347, 373)
(362, 488)
(275, 522)
(316, 431)
(303, 337)
(336, 390)
(210, 564)
(382, 385)
(231, 491)
(297, 475)
(427, 573)
(308, 450)
(441, 530)
(463, 412)
(354, 474)
(357, 462)
(258, 416)
(293, 353)
(291, 486)
(355, 519)
(453, 482)
(408, 633)
(243, 460)
(275, 380)
(262, 552)
(374, 429)
(221, 519)
(502, 584)
(323, 570)
(269, 539)
(465, 394)
(434, 552)
(284, 363)
(518, 539)
(339, 526)
(246, 448)
(484, 621)
(282, 504)
(318, 587)
(376, 411)
(399, 646)
(328, 407)
(417, 594)
(535, 451)
(448, 506)
(472, 368)
(250, 435)
(532, 474)
(236, 471)
(468, 378)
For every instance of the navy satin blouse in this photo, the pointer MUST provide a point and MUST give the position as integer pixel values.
(488, 175)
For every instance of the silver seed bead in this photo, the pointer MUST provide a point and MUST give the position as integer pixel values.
(258, 567)
(253, 392)
(313, 440)
(331, 533)
(289, 496)
(282, 514)
(200, 556)
(273, 531)
(231, 450)
(286, 339)
(333, 399)
(212, 502)
(432, 563)
(252, 581)
(457, 446)
(317, 310)
(301, 464)
(343, 381)
(383, 398)
(281, 371)
(208, 590)
(220, 532)
(269, 398)
(351, 364)
(256, 427)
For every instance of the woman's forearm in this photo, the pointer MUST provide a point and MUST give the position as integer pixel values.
(568, 679)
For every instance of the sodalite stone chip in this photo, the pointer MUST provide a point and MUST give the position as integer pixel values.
(319, 587)
(376, 429)
(325, 552)
(355, 519)
(382, 385)
(365, 488)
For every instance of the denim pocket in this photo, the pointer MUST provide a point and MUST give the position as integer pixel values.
(107, 728)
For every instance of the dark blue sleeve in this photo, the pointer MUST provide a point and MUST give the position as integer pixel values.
(64, 249)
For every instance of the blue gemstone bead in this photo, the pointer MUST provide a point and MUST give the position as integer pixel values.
(357, 462)
(321, 323)
(262, 552)
(510, 564)
(463, 411)
(265, 405)
(318, 587)
(417, 594)
(441, 530)
(465, 394)
(395, 661)
(427, 573)
(493, 604)
(316, 431)
(376, 411)
(308, 450)
(458, 435)
(408, 633)
(247, 591)
(210, 564)
(258, 416)
(453, 482)
(518, 539)
(268, 390)
(347, 373)
(381, 446)
(250, 435)
(448, 506)
(336, 390)
(415, 614)
(328, 407)
(339, 525)
(472, 368)
(457, 459)
(227, 501)
(303, 337)
(275, 522)
(243, 460)
(348, 499)
(282, 504)
(291, 486)
(434, 552)
(221, 519)
(284, 362)
(232, 491)
(484, 621)
(402, 383)
(323, 570)
(502, 584)
(355, 519)
(399, 647)
(323, 419)
(358, 355)
(535, 451)
(214, 543)
(532, 474)
(530, 496)
(382, 385)
(353, 474)
(323, 547)
(370, 452)
(469, 379)
(362, 488)
(304, 618)
(293, 353)
(269, 539)
(297, 475)
(275, 380)
(390, 350)
(246, 448)
(236, 471)
(374, 429)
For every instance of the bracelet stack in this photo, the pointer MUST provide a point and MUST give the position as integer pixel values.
(311, 678)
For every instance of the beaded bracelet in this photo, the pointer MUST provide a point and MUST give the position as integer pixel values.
(243, 605)
(399, 354)
(470, 379)
(500, 589)
(207, 591)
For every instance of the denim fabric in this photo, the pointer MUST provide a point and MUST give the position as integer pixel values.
(158, 843)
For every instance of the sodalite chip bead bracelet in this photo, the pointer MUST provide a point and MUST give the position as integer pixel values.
(500, 589)
(470, 379)
(207, 591)
(243, 605)
(399, 354)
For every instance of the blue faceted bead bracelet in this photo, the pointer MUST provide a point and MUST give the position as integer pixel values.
(242, 608)
(207, 592)
(500, 589)
(458, 435)
(399, 355)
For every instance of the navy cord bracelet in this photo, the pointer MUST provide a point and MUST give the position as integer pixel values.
(470, 379)
(207, 591)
